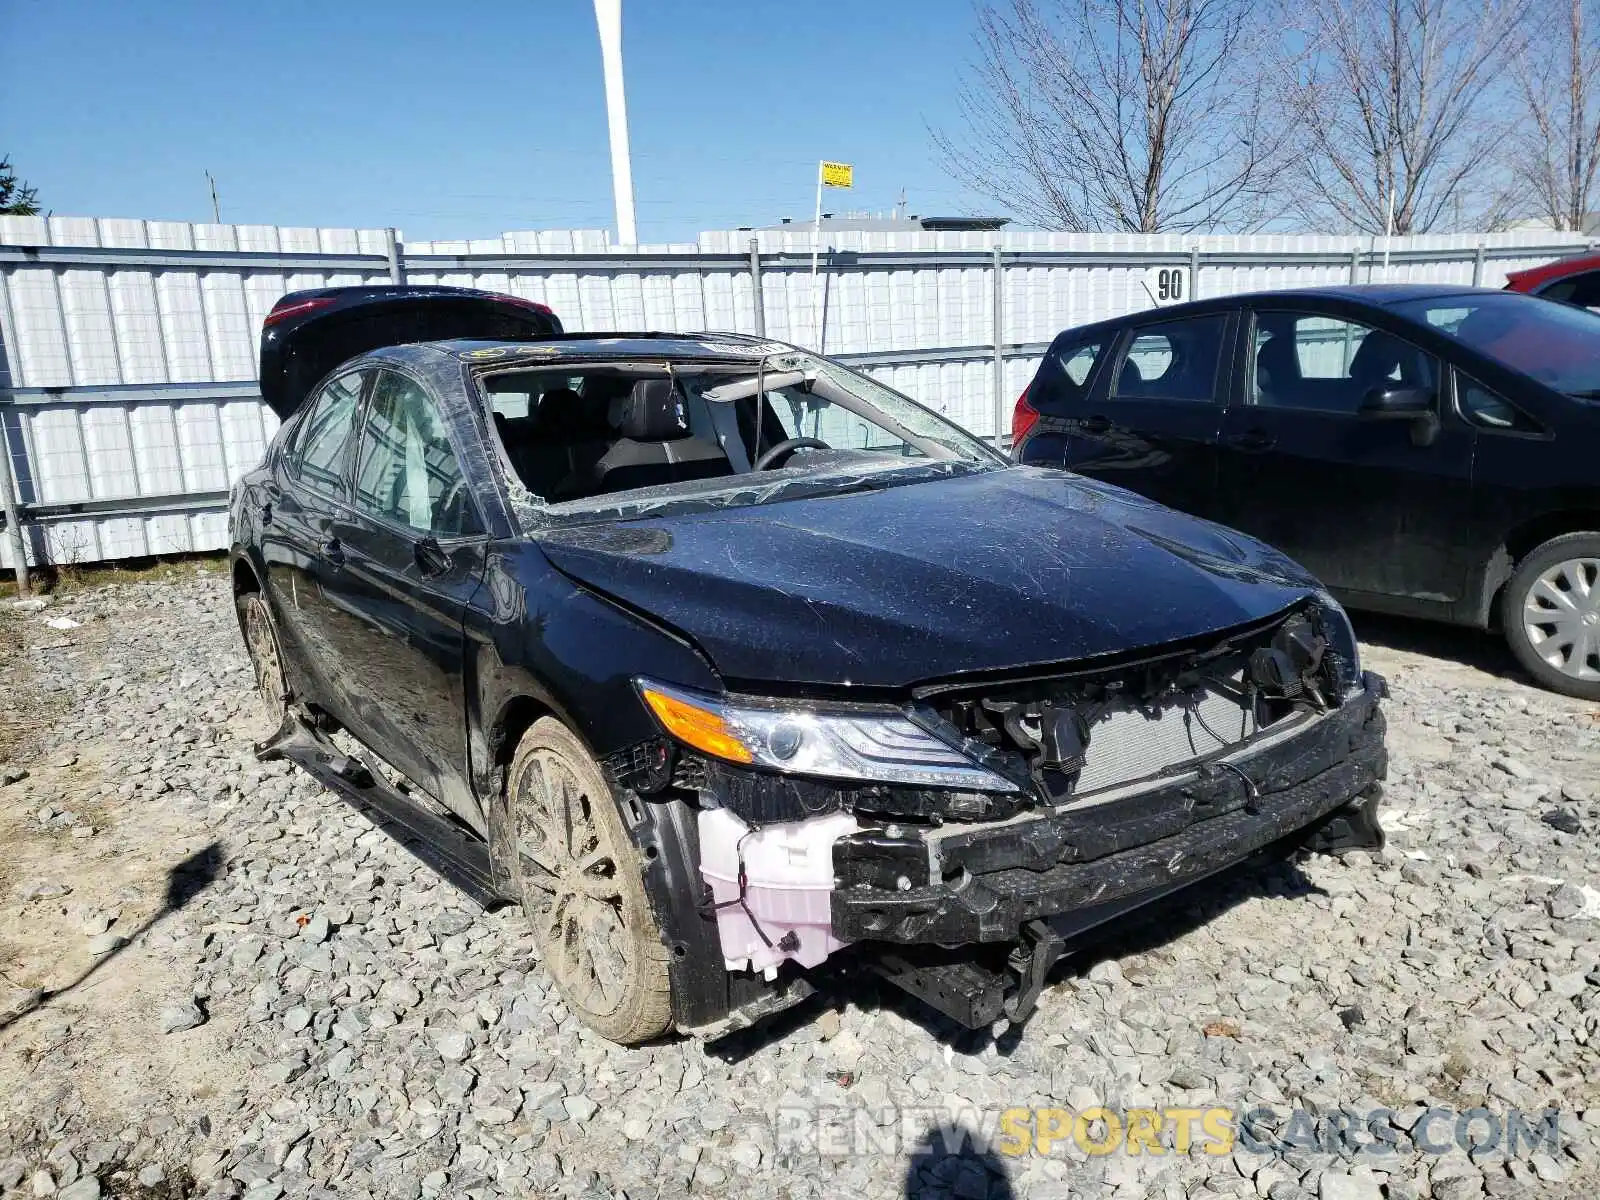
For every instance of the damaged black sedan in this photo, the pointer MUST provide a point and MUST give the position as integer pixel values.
(727, 662)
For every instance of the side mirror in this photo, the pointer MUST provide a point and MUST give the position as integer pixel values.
(1396, 403)
(431, 558)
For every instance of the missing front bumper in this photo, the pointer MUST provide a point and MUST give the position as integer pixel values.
(983, 883)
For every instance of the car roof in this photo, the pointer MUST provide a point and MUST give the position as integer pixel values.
(1378, 294)
(736, 346)
(1532, 277)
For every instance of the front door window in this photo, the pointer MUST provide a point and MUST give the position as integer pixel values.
(407, 472)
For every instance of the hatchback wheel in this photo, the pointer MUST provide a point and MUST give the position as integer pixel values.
(1551, 614)
(583, 889)
(266, 659)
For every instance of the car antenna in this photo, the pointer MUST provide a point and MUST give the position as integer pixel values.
(1145, 284)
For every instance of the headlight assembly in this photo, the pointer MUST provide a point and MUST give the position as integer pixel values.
(833, 742)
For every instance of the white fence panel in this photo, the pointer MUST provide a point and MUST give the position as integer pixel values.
(128, 348)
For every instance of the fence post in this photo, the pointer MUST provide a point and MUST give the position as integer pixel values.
(8, 493)
(397, 273)
(1477, 267)
(1194, 272)
(999, 352)
(755, 288)
(1355, 265)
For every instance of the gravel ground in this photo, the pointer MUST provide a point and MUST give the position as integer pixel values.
(220, 981)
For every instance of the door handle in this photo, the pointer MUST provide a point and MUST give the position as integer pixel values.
(1255, 440)
(332, 551)
(1096, 425)
(273, 494)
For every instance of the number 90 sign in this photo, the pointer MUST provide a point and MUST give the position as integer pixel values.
(1168, 285)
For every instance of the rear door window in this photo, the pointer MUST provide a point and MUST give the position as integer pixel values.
(317, 456)
(1173, 360)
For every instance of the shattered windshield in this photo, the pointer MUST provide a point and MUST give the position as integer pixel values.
(587, 439)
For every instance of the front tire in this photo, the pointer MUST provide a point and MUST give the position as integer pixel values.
(582, 888)
(1551, 614)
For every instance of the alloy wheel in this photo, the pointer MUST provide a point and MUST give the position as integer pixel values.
(1561, 617)
(261, 641)
(570, 876)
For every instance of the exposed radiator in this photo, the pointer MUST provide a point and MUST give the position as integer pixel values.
(1129, 743)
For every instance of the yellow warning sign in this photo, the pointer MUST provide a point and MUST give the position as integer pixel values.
(841, 175)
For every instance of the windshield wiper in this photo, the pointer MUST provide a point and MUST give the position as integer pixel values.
(1591, 394)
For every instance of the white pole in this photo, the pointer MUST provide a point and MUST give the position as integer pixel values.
(1388, 228)
(608, 16)
(816, 245)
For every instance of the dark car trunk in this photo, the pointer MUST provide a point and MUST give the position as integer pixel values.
(307, 334)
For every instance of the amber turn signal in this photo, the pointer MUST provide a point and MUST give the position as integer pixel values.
(698, 727)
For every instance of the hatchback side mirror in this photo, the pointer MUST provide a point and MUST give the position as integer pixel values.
(1396, 403)
(1412, 404)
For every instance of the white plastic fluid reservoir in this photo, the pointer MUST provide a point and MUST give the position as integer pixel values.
(787, 908)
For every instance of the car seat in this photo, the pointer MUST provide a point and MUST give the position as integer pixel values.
(556, 458)
(655, 444)
(1278, 370)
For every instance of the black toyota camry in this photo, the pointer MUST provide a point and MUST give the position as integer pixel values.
(736, 668)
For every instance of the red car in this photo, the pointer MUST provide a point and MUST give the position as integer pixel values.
(1574, 280)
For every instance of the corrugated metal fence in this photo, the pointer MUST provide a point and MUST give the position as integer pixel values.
(128, 401)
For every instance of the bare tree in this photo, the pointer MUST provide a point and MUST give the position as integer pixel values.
(1558, 87)
(1137, 115)
(1402, 95)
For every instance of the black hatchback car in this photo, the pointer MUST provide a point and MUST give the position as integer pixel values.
(726, 661)
(1428, 451)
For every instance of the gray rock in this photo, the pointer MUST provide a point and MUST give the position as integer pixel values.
(580, 1108)
(176, 1018)
(44, 891)
(1336, 1185)
(316, 929)
(104, 943)
(1566, 901)
(82, 1189)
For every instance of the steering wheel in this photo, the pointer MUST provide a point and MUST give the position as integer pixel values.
(787, 447)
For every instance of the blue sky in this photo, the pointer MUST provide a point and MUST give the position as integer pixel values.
(466, 119)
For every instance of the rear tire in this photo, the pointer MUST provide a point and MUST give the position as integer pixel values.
(1551, 614)
(266, 660)
(582, 887)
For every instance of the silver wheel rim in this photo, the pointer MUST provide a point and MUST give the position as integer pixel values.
(1561, 618)
(263, 648)
(572, 885)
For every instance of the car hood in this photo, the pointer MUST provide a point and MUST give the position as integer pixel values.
(1003, 569)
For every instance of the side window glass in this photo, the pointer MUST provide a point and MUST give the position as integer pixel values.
(406, 471)
(1487, 410)
(1077, 363)
(1175, 360)
(1323, 364)
(1580, 290)
(317, 456)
